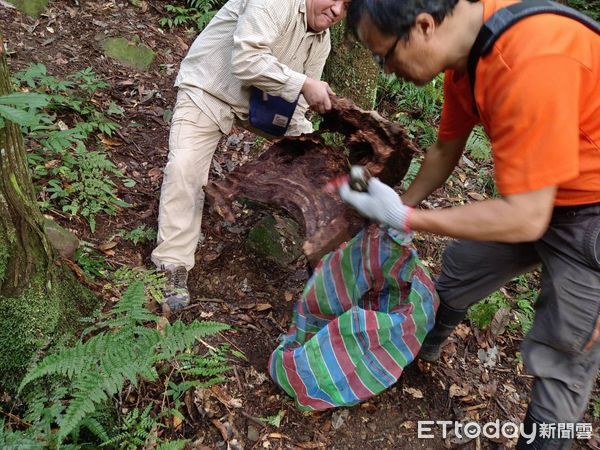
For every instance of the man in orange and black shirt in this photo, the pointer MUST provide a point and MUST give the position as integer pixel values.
(537, 96)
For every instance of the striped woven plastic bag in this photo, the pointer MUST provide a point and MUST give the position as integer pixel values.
(361, 319)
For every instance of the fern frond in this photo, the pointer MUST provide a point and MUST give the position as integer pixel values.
(17, 440)
(179, 336)
(96, 428)
(136, 429)
(478, 144)
(90, 390)
(132, 308)
(69, 361)
(206, 371)
(126, 351)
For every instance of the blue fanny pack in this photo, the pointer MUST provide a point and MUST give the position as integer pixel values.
(270, 113)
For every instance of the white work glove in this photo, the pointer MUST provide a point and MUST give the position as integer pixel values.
(380, 204)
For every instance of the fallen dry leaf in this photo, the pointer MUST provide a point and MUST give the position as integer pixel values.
(263, 306)
(416, 393)
(52, 163)
(476, 196)
(181, 43)
(309, 445)
(107, 246)
(489, 389)
(110, 142)
(277, 436)
(177, 422)
(408, 424)
(211, 256)
(458, 391)
(500, 321)
(155, 173)
(161, 324)
(462, 331)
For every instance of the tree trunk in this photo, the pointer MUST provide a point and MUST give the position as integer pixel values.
(350, 69)
(40, 299)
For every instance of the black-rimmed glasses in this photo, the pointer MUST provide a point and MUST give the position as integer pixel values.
(381, 60)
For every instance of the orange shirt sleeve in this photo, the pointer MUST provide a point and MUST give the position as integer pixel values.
(534, 124)
(458, 114)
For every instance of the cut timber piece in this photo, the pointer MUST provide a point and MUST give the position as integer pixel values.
(290, 175)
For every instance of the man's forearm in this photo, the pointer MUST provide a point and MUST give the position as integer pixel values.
(517, 218)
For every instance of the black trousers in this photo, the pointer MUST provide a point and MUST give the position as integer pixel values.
(562, 349)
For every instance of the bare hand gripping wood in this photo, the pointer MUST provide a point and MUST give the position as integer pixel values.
(290, 175)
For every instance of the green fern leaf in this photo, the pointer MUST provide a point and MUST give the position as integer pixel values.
(90, 390)
(132, 307)
(478, 145)
(96, 428)
(179, 337)
(206, 371)
(68, 362)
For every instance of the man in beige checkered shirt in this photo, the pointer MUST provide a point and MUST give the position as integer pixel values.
(278, 46)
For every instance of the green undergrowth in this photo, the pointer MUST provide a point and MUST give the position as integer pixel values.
(64, 122)
(72, 398)
(596, 406)
(520, 304)
(589, 7)
(419, 110)
(190, 14)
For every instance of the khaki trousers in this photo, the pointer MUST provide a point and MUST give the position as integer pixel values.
(193, 139)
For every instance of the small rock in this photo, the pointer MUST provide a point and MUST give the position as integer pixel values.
(253, 434)
(61, 239)
(488, 357)
(233, 140)
(338, 418)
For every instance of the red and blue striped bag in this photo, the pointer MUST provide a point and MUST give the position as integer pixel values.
(361, 319)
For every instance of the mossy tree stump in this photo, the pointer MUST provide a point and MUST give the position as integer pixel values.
(350, 69)
(41, 302)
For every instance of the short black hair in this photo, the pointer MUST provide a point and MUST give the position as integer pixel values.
(396, 17)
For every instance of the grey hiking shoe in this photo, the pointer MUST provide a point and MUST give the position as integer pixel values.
(176, 292)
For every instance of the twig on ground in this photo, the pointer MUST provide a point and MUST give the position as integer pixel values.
(231, 343)
(17, 418)
(207, 345)
(502, 407)
(237, 377)
(201, 300)
(253, 419)
(221, 429)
